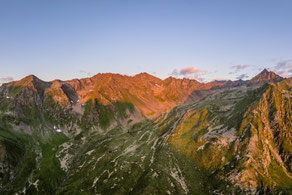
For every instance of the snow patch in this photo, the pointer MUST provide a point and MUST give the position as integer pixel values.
(97, 178)
(202, 146)
(90, 152)
(177, 175)
(97, 160)
(67, 156)
(130, 149)
(155, 175)
(153, 148)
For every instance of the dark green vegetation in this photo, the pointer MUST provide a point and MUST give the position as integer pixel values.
(235, 140)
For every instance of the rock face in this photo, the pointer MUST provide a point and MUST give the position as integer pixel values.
(115, 134)
(265, 75)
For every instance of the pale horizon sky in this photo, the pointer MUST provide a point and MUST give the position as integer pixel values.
(203, 40)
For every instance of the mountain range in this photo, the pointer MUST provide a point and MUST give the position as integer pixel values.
(117, 134)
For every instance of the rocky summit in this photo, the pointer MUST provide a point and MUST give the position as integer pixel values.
(266, 75)
(117, 134)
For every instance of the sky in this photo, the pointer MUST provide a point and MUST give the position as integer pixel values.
(197, 39)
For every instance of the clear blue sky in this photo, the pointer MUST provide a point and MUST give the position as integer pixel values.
(66, 38)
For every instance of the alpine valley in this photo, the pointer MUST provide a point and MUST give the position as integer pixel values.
(117, 134)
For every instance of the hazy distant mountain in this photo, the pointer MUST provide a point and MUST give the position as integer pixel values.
(115, 134)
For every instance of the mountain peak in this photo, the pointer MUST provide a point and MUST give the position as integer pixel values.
(26, 80)
(266, 75)
(144, 74)
(32, 82)
(264, 71)
(30, 78)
